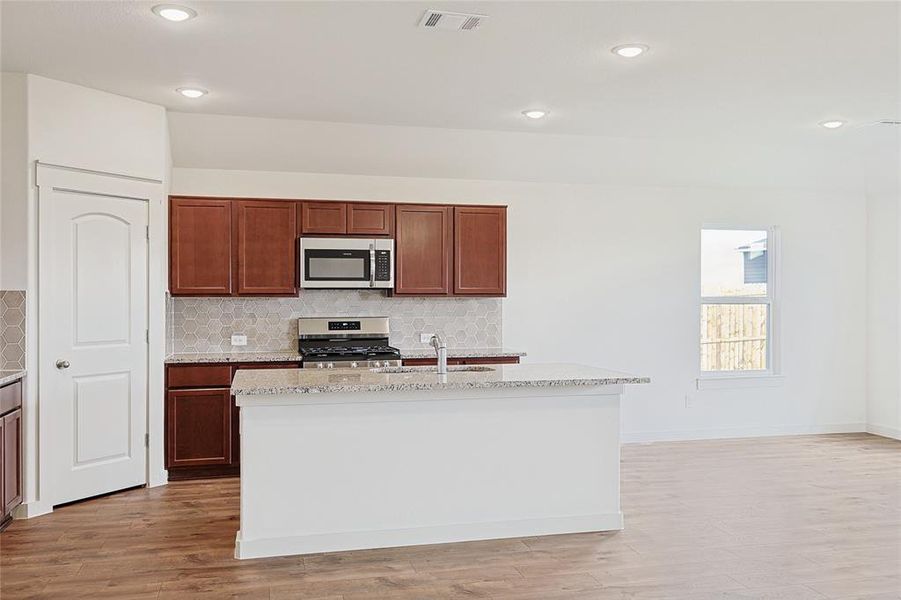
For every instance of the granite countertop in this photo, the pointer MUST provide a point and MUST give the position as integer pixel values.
(312, 381)
(291, 356)
(429, 352)
(11, 375)
(232, 357)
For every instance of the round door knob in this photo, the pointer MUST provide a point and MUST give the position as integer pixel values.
(62, 364)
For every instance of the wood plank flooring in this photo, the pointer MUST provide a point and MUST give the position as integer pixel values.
(791, 518)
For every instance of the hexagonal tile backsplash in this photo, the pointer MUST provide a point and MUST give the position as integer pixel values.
(12, 330)
(206, 324)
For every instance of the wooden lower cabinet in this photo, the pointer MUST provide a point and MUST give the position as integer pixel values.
(199, 428)
(202, 419)
(10, 451)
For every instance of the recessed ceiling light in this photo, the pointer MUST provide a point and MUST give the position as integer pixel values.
(192, 92)
(171, 12)
(629, 50)
(832, 124)
(535, 113)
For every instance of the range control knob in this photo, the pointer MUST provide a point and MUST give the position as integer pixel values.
(354, 365)
(330, 366)
(376, 364)
(319, 365)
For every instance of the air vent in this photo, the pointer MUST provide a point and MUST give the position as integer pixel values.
(436, 19)
(889, 122)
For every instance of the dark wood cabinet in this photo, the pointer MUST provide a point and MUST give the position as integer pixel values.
(12, 460)
(200, 246)
(324, 218)
(423, 248)
(199, 428)
(366, 218)
(11, 485)
(265, 236)
(203, 420)
(480, 250)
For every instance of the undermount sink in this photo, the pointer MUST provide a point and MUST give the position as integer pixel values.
(454, 369)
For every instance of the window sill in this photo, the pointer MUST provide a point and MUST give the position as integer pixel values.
(731, 382)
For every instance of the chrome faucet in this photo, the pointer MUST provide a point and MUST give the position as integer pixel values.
(441, 350)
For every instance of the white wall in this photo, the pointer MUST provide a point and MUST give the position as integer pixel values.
(74, 126)
(627, 295)
(883, 264)
(13, 181)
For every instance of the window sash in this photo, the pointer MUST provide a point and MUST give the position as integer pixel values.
(769, 370)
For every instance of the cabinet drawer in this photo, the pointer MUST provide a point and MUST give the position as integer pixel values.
(10, 397)
(199, 376)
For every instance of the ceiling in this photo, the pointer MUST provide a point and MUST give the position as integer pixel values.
(759, 72)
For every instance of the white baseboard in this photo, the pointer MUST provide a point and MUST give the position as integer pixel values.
(29, 510)
(889, 432)
(740, 432)
(389, 538)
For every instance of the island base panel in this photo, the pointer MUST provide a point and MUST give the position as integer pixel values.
(351, 471)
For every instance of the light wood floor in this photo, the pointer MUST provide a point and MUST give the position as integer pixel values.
(791, 518)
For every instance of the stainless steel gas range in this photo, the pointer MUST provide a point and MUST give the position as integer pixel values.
(345, 343)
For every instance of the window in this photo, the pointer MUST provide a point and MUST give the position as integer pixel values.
(737, 293)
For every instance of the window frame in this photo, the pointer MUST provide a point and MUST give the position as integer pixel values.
(771, 300)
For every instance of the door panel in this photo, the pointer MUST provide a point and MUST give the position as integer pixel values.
(324, 217)
(93, 269)
(480, 250)
(12, 460)
(200, 246)
(199, 428)
(370, 219)
(266, 247)
(423, 247)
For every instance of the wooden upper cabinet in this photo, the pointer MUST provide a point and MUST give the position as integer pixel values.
(200, 247)
(370, 219)
(480, 250)
(423, 247)
(265, 256)
(324, 218)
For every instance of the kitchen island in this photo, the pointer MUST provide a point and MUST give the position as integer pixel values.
(344, 459)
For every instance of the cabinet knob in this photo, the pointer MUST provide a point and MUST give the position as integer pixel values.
(62, 364)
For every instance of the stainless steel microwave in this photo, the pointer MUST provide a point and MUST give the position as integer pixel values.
(346, 263)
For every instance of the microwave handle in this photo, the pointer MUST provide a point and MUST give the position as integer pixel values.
(372, 265)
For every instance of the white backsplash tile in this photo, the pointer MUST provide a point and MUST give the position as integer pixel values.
(12, 330)
(206, 324)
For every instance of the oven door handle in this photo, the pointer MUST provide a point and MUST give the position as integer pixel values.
(372, 265)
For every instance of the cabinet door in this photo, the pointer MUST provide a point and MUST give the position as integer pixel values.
(200, 247)
(12, 460)
(370, 219)
(198, 428)
(480, 250)
(423, 248)
(266, 247)
(324, 218)
(2, 475)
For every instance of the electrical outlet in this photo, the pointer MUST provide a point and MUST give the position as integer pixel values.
(425, 338)
(239, 339)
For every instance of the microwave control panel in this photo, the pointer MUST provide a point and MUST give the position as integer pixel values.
(382, 265)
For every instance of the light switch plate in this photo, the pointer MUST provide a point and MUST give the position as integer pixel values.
(239, 339)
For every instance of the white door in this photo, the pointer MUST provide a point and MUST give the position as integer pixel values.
(93, 322)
